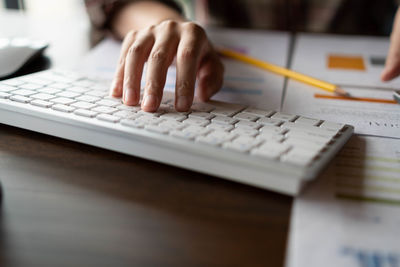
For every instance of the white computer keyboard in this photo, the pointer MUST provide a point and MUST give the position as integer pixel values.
(262, 148)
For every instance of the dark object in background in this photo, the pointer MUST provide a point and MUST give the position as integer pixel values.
(17, 53)
(364, 17)
(14, 4)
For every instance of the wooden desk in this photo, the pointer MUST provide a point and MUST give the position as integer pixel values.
(68, 204)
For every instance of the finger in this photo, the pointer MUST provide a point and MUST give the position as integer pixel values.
(135, 59)
(161, 57)
(189, 55)
(392, 66)
(210, 77)
(117, 83)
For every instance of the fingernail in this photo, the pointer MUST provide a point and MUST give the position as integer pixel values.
(183, 103)
(150, 102)
(129, 96)
(113, 87)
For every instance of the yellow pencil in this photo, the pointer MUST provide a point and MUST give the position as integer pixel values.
(283, 71)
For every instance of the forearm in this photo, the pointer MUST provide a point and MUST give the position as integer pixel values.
(141, 14)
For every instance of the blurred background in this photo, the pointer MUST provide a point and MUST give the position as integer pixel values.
(62, 23)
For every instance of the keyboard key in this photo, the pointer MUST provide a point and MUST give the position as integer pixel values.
(124, 113)
(307, 121)
(43, 96)
(248, 125)
(108, 118)
(63, 100)
(258, 112)
(245, 131)
(88, 98)
(197, 122)
(269, 121)
(269, 129)
(246, 140)
(4, 95)
(229, 110)
(197, 130)
(246, 116)
(220, 127)
(133, 123)
(299, 156)
(150, 120)
(83, 105)
(238, 147)
(24, 92)
(305, 144)
(7, 88)
(20, 98)
(68, 94)
(12, 82)
(270, 150)
(49, 90)
(185, 135)
(63, 108)
(60, 85)
(173, 125)
(210, 140)
(202, 107)
(84, 83)
(224, 120)
(41, 103)
(30, 86)
(157, 129)
(158, 113)
(332, 126)
(35, 80)
(130, 108)
(85, 113)
(103, 109)
(201, 115)
(108, 103)
(96, 93)
(174, 116)
(77, 89)
(283, 116)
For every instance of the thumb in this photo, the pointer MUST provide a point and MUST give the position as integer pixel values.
(392, 66)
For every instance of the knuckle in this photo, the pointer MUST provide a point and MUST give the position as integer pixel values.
(169, 24)
(188, 53)
(194, 29)
(159, 55)
(131, 35)
(153, 86)
(184, 88)
(136, 49)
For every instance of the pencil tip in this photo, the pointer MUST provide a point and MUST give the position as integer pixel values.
(342, 92)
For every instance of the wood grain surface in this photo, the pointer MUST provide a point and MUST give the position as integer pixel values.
(69, 204)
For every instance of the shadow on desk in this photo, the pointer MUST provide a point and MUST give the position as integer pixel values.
(68, 204)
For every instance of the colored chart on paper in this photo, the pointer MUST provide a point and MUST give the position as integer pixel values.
(369, 177)
(347, 62)
(361, 99)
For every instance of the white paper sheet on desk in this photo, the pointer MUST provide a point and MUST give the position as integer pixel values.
(350, 217)
(368, 118)
(242, 83)
(312, 51)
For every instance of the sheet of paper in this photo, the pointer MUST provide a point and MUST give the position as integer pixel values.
(242, 83)
(351, 61)
(350, 217)
(369, 118)
(343, 60)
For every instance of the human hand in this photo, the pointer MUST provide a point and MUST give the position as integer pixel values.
(158, 45)
(392, 66)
